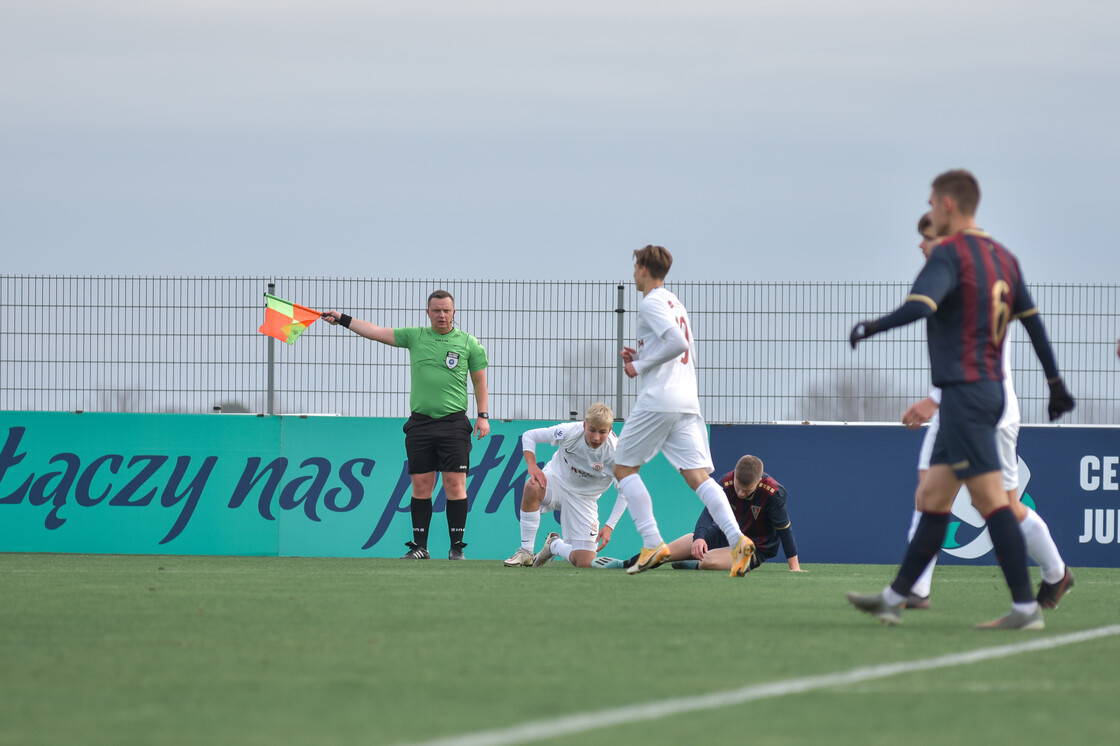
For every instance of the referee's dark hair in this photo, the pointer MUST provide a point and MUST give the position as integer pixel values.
(439, 294)
(962, 187)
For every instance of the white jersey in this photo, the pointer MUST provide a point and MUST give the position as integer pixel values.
(1010, 401)
(669, 386)
(581, 470)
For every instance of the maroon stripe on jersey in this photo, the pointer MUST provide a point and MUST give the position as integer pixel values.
(1010, 268)
(993, 370)
(969, 320)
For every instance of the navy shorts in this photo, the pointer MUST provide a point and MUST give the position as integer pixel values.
(966, 440)
(438, 444)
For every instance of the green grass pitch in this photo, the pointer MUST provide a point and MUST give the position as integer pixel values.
(214, 650)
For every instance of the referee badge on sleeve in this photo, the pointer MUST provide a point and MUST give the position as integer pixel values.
(452, 360)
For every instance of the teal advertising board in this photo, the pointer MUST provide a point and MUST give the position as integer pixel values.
(251, 485)
(339, 487)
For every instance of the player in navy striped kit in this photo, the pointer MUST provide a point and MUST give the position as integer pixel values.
(758, 502)
(970, 289)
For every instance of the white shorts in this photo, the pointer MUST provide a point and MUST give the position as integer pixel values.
(579, 516)
(683, 438)
(1007, 435)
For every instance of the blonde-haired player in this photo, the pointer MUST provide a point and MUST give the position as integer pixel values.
(572, 482)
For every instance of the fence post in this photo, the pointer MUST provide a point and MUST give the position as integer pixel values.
(620, 378)
(270, 406)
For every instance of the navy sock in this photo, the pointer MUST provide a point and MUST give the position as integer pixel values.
(456, 520)
(1011, 553)
(421, 520)
(925, 545)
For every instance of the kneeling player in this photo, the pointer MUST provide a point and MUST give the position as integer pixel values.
(759, 505)
(572, 482)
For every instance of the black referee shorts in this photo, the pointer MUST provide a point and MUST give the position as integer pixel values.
(438, 444)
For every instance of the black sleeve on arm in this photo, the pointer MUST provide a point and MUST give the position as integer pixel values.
(907, 313)
(789, 546)
(1041, 343)
(703, 525)
(930, 287)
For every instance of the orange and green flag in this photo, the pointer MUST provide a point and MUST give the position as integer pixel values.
(286, 320)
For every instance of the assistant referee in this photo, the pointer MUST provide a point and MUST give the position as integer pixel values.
(438, 433)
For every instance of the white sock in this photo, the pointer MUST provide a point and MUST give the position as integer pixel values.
(924, 582)
(892, 597)
(1027, 607)
(640, 505)
(1041, 547)
(715, 500)
(562, 549)
(530, 522)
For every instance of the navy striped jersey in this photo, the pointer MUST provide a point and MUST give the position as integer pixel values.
(975, 288)
(762, 516)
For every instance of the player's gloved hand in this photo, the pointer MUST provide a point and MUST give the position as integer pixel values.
(862, 330)
(1060, 400)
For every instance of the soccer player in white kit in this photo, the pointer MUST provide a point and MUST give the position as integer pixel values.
(666, 416)
(572, 482)
(1056, 577)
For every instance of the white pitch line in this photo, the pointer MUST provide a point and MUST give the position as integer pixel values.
(569, 724)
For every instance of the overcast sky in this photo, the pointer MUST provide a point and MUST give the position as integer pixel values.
(778, 140)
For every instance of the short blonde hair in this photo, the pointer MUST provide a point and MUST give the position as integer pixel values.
(599, 415)
(748, 470)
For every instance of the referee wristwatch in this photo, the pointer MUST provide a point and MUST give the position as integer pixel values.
(484, 415)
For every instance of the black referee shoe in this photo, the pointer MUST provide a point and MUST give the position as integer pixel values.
(416, 552)
(456, 552)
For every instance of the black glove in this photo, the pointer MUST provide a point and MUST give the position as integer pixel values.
(1060, 400)
(862, 330)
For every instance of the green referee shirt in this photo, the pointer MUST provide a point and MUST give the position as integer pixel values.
(440, 364)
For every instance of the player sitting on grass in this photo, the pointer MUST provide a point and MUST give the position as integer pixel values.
(572, 482)
(759, 505)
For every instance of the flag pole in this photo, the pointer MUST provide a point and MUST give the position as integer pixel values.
(271, 400)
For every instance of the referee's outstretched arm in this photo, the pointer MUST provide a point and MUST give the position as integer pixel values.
(367, 329)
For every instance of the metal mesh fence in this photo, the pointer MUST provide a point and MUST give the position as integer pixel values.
(766, 351)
